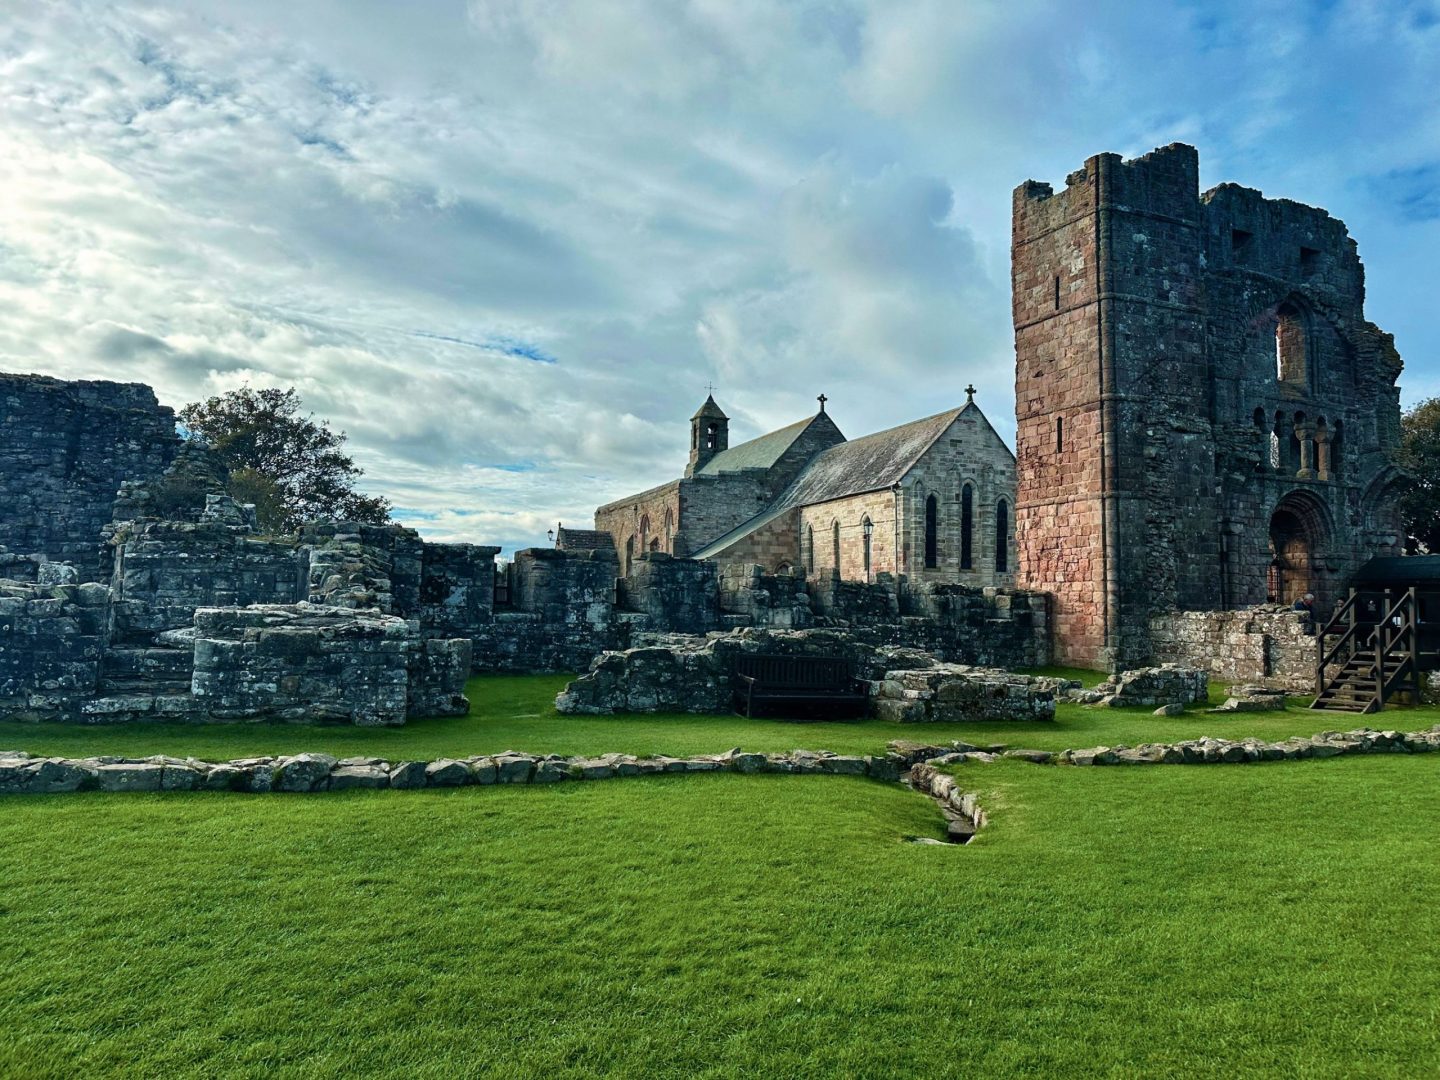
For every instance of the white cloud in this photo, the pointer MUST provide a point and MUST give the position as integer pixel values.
(389, 206)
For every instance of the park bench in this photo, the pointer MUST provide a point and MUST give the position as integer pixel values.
(812, 684)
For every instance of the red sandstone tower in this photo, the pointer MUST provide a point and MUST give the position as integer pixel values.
(1204, 419)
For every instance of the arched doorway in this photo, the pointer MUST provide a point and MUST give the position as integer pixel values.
(1298, 534)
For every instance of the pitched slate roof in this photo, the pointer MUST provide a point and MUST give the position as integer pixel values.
(583, 540)
(866, 464)
(871, 463)
(761, 453)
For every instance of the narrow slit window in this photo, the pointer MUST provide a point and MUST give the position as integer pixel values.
(1059, 434)
(967, 527)
(1057, 293)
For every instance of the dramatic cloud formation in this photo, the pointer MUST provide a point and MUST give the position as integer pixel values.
(506, 245)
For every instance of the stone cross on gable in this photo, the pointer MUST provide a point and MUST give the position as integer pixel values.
(969, 393)
(822, 399)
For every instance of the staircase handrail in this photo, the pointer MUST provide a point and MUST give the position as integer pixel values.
(1327, 657)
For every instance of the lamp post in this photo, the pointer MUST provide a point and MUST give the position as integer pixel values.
(552, 533)
(868, 528)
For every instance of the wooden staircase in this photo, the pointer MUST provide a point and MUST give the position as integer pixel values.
(1375, 657)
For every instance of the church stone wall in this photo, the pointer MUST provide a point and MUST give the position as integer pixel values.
(65, 449)
(626, 521)
(850, 514)
(1147, 324)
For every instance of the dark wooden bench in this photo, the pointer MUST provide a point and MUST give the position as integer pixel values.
(825, 684)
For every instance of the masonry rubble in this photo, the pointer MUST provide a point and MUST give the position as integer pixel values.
(953, 692)
(1168, 684)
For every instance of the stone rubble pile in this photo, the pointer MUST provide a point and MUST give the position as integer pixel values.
(952, 692)
(1252, 699)
(1168, 684)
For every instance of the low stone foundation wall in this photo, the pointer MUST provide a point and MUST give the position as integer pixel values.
(950, 692)
(1265, 645)
(20, 773)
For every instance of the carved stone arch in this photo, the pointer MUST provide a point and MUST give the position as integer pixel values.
(1383, 529)
(1302, 528)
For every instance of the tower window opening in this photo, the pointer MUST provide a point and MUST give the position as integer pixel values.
(1240, 244)
(711, 436)
(1057, 292)
(1059, 434)
(1309, 261)
(1290, 346)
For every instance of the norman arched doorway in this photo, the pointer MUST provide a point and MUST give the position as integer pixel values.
(1298, 535)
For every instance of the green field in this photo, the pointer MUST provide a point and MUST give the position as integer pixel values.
(1275, 919)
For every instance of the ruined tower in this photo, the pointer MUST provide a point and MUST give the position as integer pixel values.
(1204, 417)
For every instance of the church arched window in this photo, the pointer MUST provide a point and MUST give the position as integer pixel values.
(967, 527)
(1002, 537)
(629, 554)
(932, 533)
(645, 532)
(809, 553)
(866, 528)
(835, 544)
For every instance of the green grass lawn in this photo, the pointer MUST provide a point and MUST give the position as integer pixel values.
(1274, 920)
(518, 713)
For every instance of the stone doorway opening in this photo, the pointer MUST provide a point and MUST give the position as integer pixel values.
(1297, 540)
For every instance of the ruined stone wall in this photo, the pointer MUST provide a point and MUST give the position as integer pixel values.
(1264, 645)
(51, 641)
(457, 588)
(562, 613)
(364, 566)
(678, 595)
(65, 448)
(165, 570)
(308, 663)
(1148, 320)
(777, 601)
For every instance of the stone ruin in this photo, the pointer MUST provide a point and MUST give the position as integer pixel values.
(135, 591)
(680, 674)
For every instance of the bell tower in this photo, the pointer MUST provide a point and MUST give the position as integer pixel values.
(709, 434)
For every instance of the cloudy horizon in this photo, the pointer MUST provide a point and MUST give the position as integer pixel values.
(506, 245)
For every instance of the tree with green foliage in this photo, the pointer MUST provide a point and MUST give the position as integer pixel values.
(1420, 457)
(290, 465)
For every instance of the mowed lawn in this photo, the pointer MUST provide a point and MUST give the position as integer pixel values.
(1276, 920)
(518, 713)
(1257, 920)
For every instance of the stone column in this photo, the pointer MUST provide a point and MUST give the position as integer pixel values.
(1322, 453)
(1306, 434)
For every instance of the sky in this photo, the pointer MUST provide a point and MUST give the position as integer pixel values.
(505, 245)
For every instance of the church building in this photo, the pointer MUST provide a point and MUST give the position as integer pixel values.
(932, 499)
